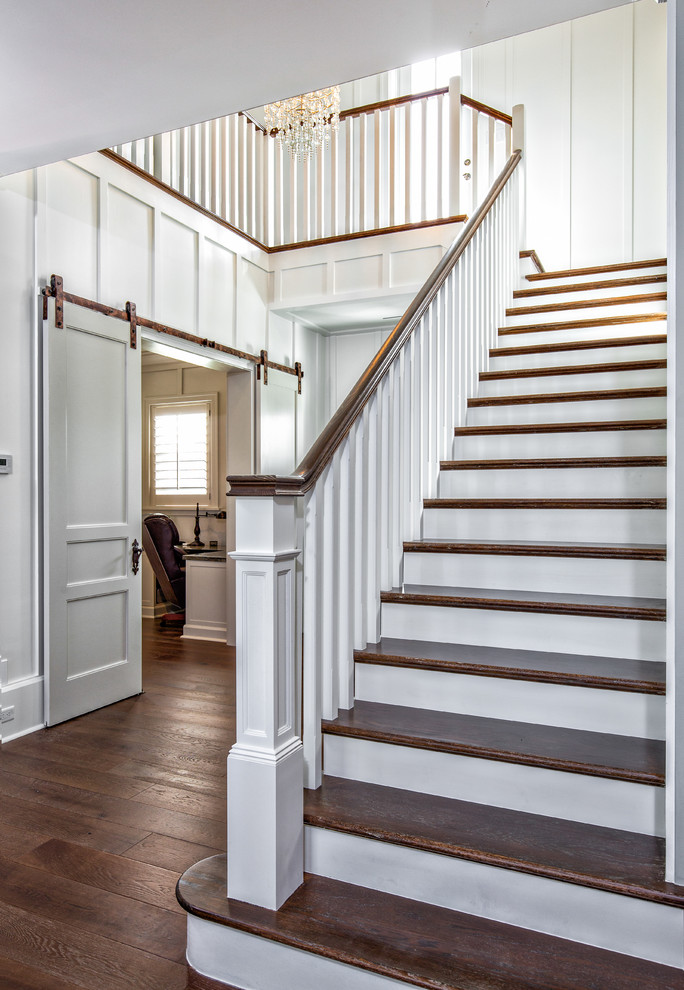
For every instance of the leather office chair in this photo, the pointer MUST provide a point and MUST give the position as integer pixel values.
(159, 538)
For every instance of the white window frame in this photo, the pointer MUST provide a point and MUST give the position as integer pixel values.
(178, 502)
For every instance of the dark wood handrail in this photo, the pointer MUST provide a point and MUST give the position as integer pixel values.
(320, 454)
(398, 101)
(468, 101)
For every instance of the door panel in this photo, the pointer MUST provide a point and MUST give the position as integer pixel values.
(92, 511)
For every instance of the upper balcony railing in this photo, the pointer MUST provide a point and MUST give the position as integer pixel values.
(429, 157)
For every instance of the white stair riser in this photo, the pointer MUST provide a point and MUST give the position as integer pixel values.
(553, 298)
(576, 525)
(580, 312)
(579, 355)
(623, 713)
(584, 411)
(573, 383)
(594, 443)
(576, 278)
(240, 959)
(605, 331)
(572, 575)
(595, 917)
(578, 797)
(572, 482)
(633, 639)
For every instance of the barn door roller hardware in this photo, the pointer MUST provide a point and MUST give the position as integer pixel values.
(55, 290)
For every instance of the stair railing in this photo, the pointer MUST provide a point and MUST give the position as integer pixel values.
(314, 549)
(407, 160)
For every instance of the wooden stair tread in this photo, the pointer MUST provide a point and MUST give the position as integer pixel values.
(622, 266)
(532, 463)
(578, 345)
(533, 548)
(507, 600)
(595, 303)
(419, 943)
(574, 369)
(610, 283)
(596, 754)
(545, 503)
(603, 858)
(593, 395)
(642, 676)
(594, 321)
(588, 427)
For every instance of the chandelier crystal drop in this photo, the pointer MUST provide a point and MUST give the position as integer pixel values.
(304, 123)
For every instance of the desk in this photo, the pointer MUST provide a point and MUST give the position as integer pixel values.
(205, 596)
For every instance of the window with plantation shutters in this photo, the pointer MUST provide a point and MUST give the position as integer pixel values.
(181, 435)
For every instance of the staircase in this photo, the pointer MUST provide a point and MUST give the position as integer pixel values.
(492, 808)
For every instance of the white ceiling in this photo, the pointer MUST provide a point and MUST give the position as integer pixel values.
(86, 74)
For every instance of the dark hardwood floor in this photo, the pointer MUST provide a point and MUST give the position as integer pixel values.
(99, 817)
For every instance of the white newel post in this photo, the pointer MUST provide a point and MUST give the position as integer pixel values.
(518, 144)
(455, 146)
(265, 766)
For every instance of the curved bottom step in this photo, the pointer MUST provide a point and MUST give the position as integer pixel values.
(342, 936)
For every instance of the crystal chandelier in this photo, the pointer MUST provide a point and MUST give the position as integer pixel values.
(304, 123)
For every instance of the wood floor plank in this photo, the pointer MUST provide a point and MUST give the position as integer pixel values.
(90, 780)
(20, 976)
(103, 871)
(170, 854)
(87, 960)
(132, 814)
(115, 916)
(84, 829)
(87, 884)
(154, 773)
(189, 802)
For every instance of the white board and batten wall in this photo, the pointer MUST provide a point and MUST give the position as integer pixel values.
(594, 91)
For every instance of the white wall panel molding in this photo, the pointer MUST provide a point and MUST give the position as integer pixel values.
(594, 91)
(26, 697)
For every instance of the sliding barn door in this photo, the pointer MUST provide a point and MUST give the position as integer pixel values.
(92, 512)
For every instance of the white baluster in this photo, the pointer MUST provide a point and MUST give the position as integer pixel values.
(363, 176)
(222, 156)
(423, 112)
(475, 155)
(279, 188)
(371, 509)
(334, 193)
(439, 159)
(319, 214)
(327, 591)
(378, 186)
(491, 148)
(294, 200)
(349, 183)
(454, 170)
(384, 483)
(360, 530)
(311, 660)
(392, 166)
(265, 766)
(346, 593)
(407, 163)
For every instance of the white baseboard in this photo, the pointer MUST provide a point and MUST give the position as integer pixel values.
(155, 611)
(26, 697)
(213, 631)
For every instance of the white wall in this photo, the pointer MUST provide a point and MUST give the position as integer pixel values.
(594, 91)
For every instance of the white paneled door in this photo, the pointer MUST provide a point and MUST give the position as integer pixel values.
(92, 512)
